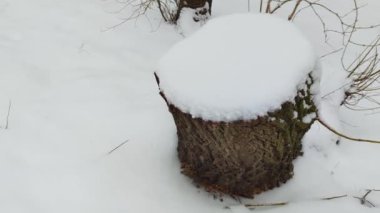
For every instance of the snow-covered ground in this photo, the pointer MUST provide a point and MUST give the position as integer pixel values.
(78, 88)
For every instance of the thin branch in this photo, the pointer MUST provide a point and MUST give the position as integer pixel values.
(291, 16)
(364, 72)
(334, 197)
(266, 204)
(268, 9)
(114, 149)
(363, 200)
(343, 135)
(252, 206)
(279, 5)
(330, 53)
(8, 114)
(161, 10)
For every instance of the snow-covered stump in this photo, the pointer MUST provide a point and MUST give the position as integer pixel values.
(242, 104)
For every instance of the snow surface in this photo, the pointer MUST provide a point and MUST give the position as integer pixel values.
(224, 71)
(79, 90)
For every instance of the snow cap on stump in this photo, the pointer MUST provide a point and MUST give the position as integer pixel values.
(236, 67)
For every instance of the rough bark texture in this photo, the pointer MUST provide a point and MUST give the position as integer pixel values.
(201, 12)
(243, 158)
(194, 4)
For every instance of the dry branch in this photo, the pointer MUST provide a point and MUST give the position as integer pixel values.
(343, 135)
(363, 71)
(117, 147)
(363, 200)
(252, 206)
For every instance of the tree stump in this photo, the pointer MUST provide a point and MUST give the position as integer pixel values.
(240, 114)
(244, 158)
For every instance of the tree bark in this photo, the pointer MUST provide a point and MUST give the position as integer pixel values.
(194, 4)
(243, 158)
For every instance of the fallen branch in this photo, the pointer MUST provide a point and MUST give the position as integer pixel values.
(343, 135)
(363, 200)
(114, 149)
(334, 197)
(252, 206)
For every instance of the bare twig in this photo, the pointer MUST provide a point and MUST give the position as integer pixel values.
(163, 13)
(279, 5)
(252, 206)
(334, 197)
(268, 9)
(335, 90)
(261, 6)
(141, 7)
(343, 135)
(364, 72)
(8, 114)
(363, 200)
(117, 147)
(330, 53)
(266, 204)
(291, 16)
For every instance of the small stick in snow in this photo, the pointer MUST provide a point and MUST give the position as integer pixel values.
(9, 112)
(343, 135)
(114, 149)
(250, 206)
(363, 200)
(334, 197)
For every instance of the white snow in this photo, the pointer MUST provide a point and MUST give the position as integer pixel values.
(236, 67)
(79, 90)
